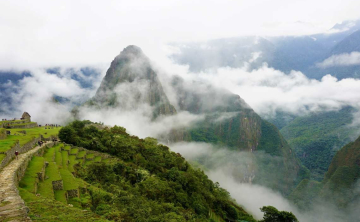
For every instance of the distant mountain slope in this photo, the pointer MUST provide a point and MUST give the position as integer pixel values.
(131, 82)
(285, 53)
(316, 137)
(340, 185)
(347, 45)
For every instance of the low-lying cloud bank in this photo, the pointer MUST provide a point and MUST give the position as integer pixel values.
(139, 122)
(221, 165)
(38, 93)
(345, 59)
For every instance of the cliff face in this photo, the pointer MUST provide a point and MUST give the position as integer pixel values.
(131, 82)
(228, 118)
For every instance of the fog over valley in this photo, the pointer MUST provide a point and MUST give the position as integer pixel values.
(203, 111)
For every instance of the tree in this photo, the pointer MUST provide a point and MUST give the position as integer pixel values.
(271, 214)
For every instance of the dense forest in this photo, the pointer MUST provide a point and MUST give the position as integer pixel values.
(148, 182)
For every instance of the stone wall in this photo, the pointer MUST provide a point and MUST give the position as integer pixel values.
(10, 154)
(58, 185)
(103, 155)
(25, 126)
(72, 193)
(21, 170)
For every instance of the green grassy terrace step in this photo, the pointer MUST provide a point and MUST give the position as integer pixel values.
(61, 160)
(17, 135)
(81, 154)
(74, 151)
(47, 209)
(29, 180)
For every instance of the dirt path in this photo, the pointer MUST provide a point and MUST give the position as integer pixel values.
(12, 207)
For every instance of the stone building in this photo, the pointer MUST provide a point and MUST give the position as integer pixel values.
(26, 116)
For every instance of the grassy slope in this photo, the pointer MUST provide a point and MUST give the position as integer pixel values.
(30, 177)
(7, 143)
(47, 209)
(46, 206)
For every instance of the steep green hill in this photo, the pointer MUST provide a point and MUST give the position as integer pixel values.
(229, 121)
(340, 185)
(146, 180)
(316, 138)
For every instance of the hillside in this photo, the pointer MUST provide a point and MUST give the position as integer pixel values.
(317, 136)
(224, 118)
(340, 185)
(144, 181)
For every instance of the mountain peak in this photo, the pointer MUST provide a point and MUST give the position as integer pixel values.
(132, 50)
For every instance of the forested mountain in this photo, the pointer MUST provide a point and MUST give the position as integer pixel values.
(146, 181)
(226, 119)
(340, 186)
(317, 136)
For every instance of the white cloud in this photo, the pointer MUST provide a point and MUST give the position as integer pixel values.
(267, 90)
(345, 59)
(34, 94)
(44, 33)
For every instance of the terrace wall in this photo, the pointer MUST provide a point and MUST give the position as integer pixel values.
(10, 154)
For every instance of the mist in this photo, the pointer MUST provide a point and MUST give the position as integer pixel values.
(224, 165)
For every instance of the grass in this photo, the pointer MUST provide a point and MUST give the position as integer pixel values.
(73, 161)
(2, 156)
(74, 151)
(52, 174)
(58, 157)
(70, 183)
(45, 209)
(28, 182)
(88, 162)
(52, 205)
(97, 159)
(65, 158)
(49, 154)
(67, 148)
(31, 133)
(81, 154)
(60, 196)
(90, 156)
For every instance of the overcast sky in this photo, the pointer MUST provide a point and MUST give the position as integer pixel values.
(75, 33)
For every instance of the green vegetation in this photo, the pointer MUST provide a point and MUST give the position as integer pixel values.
(271, 214)
(340, 183)
(2, 156)
(147, 182)
(29, 180)
(17, 135)
(81, 154)
(74, 151)
(47, 209)
(316, 138)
